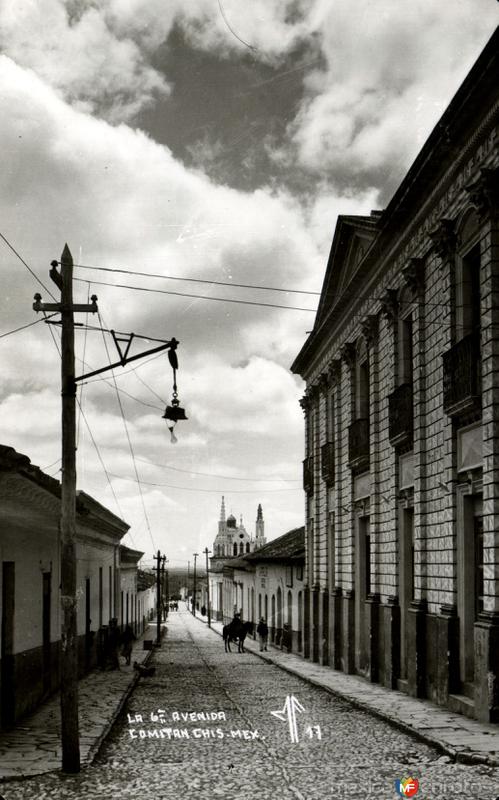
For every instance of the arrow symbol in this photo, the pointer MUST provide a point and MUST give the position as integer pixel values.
(291, 707)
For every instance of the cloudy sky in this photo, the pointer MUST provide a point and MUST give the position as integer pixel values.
(198, 140)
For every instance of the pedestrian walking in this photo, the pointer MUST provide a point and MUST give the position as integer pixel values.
(263, 634)
(127, 638)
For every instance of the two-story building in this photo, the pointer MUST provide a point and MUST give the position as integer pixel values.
(401, 472)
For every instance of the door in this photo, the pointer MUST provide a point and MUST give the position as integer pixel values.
(362, 589)
(470, 587)
(406, 577)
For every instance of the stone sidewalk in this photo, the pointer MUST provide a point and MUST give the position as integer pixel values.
(460, 738)
(33, 747)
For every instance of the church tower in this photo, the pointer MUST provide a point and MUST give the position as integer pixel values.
(259, 528)
(221, 522)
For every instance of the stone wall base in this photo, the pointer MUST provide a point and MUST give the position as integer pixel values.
(348, 632)
(487, 667)
(324, 628)
(389, 652)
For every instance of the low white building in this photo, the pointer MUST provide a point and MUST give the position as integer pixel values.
(269, 583)
(30, 608)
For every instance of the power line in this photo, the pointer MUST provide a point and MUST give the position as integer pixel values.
(23, 327)
(21, 259)
(127, 371)
(129, 442)
(195, 280)
(224, 477)
(99, 456)
(198, 296)
(139, 481)
(348, 295)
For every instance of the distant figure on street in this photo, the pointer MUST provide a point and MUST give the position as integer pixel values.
(203, 611)
(127, 638)
(286, 637)
(263, 634)
(113, 642)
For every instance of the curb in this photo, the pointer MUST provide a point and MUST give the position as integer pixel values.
(95, 749)
(96, 746)
(458, 756)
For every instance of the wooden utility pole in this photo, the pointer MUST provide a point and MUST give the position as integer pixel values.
(69, 648)
(158, 598)
(194, 588)
(208, 585)
(167, 592)
(69, 642)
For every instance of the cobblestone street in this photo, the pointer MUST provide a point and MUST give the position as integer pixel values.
(239, 749)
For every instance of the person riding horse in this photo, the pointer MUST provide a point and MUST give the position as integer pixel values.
(236, 630)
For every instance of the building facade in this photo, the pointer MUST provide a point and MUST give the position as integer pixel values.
(232, 541)
(269, 583)
(401, 469)
(30, 607)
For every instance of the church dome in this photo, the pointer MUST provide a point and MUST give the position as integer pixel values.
(231, 521)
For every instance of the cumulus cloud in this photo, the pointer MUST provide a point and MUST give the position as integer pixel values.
(91, 65)
(72, 75)
(390, 69)
(120, 199)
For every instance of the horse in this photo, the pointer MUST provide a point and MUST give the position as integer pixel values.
(236, 630)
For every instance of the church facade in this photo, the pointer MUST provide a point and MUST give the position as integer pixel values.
(231, 542)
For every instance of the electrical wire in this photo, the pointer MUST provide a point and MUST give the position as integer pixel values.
(196, 280)
(92, 438)
(197, 489)
(198, 296)
(127, 371)
(21, 259)
(224, 477)
(49, 466)
(23, 327)
(348, 295)
(125, 425)
(81, 387)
